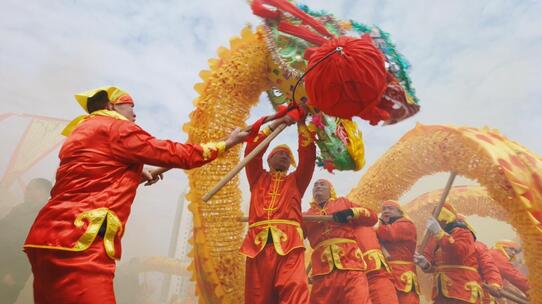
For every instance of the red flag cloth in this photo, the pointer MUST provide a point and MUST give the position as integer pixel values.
(349, 83)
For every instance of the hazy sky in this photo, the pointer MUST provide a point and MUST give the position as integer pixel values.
(475, 63)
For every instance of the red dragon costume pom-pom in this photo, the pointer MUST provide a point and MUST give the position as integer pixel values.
(349, 83)
(344, 84)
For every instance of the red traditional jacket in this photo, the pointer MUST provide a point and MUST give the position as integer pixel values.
(399, 239)
(334, 244)
(275, 202)
(488, 270)
(372, 252)
(508, 271)
(455, 263)
(100, 169)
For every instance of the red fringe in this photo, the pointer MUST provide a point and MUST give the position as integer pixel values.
(259, 9)
(301, 32)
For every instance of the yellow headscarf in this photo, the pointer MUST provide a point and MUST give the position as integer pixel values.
(448, 214)
(462, 218)
(115, 96)
(500, 245)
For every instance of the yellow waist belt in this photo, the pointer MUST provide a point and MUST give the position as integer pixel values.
(277, 234)
(95, 219)
(397, 262)
(444, 267)
(274, 222)
(378, 258)
(332, 254)
(334, 241)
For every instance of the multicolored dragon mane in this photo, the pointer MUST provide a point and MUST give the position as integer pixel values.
(365, 77)
(290, 47)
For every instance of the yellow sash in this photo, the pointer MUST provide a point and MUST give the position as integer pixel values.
(74, 123)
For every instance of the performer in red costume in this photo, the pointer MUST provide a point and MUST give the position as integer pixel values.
(453, 260)
(486, 267)
(504, 254)
(75, 239)
(397, 234)
(337, 261)
(490, 274)
(275, 265)
(378, 272)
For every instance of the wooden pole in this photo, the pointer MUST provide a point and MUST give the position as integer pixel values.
(243, 163)
(512, 296)
(437, 209)
(162, 170)
(306, 218)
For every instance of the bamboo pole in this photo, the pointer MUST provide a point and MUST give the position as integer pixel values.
(162, 170)
(438, 208)
(511, 295)
(243, 163)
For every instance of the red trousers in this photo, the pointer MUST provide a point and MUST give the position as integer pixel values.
(382, 288)
(345, 287)
(271, 278)
(408, 297)
(72, 277)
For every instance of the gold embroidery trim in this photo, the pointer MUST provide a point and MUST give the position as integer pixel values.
(95, 219)
(441, 234)
(267, 131)
(444, 282)
(476, 291)
(306, 136)
(277, 234)
(378, 257)
(333, 253)
(264, 133)
(209, 148)
(411, 281)
(277, 179)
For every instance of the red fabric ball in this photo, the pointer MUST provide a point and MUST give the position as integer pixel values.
(349, 83)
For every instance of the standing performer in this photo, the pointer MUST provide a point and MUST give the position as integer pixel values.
(337, 261)
(453, 260)
(503, 254)
(275, 264)
(378, 272)
(75, 239)
(490, 274)
(486, 267)
(397, 234)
